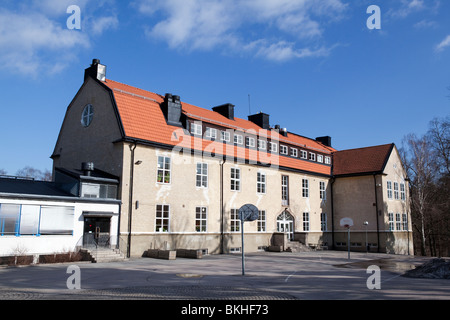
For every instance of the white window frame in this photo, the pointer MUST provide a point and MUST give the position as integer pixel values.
(294, 152)
(196, 128)
(262, 144)
(201, 175)
(211, 133)
(250, 142)
(402, 192)
(312, 156)
(201, 219)
(391, 221)
(320, 158)
(283, 149)
(261, 222)
(396, 194)
(323, 222)
(327, 160)
(285, 190)
(405, 222)
(322, 190)
(235, 222)
(305, 221)
(163, 170)
(261, 182)
(225, 136)
(162, 218)
(235, 182)
(304, 154)
(398, 221)
(238, 139)
(305, 188)
(389, 189)
(273, 147)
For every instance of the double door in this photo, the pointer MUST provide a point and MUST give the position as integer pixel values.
(96, 231)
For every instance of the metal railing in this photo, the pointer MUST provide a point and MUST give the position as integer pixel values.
(94, 244)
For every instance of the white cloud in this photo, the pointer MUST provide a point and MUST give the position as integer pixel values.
(443, 45)
(277, 25)
(34, 37)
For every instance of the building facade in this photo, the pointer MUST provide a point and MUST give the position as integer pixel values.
(185, 171)
(39, 217)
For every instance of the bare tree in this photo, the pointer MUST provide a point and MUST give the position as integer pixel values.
(33, 173)
(3, 172)
(427, 161)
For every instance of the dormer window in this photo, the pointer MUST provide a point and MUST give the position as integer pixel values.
(211, 133)
(196, 129)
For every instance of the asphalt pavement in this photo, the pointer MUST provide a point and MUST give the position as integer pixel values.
(318, 275)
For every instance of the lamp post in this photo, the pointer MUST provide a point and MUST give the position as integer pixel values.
(366, 223)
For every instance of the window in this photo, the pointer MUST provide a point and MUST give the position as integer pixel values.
(249, 142)
(200, 219)
(56, 220)
(235, 179)
(235, 222)
(304, 154)
(29, 219)
(312, 156)
(163, 175)
(327, 160)
(102, 191)
(273, 147)
(405, 221)
(305, 188)
(211, 133)
(261, 221)
(196, 129)
(238, 139)
(396, 190)
(398, 222)
(162, 218)
(9, 219)
(323, 222)
(285, 190)
(294, 152)
(262, 145)
(260, 182)
(87, 115)
(389, 189)
(16, 219)
(402, 192)
(225, 136)
(320, 158)
(283, 149)
(391, 221)
(305, 221)
(322, 192)
(202, 175)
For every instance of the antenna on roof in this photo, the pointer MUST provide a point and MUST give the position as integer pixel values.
(249, 111)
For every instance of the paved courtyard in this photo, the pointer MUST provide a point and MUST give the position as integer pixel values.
(316, 275)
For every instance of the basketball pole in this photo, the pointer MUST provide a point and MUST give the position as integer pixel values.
(242, 249)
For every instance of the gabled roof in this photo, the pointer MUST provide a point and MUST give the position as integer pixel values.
(142, 119)
(361, 161)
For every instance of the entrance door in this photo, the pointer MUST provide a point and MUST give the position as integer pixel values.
(96, 231)
(285, 224)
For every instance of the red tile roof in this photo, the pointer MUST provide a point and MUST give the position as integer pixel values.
(143, 119)
(361, 161)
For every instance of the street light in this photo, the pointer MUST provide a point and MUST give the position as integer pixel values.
(366, 223)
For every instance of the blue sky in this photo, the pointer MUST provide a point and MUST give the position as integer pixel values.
(313, 65)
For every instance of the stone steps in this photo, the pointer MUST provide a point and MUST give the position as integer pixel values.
(105, 255)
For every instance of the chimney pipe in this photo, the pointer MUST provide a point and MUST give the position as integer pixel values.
(87, 168)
